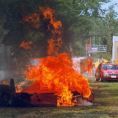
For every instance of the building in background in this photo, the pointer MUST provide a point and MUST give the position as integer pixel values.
(115, 49)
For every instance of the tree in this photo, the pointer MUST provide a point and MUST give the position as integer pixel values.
(103, 30)
(76, 16)
(111, 24)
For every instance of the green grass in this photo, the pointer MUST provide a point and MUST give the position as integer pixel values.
(105, 106)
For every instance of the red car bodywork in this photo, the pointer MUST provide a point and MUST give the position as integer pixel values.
(106, 72)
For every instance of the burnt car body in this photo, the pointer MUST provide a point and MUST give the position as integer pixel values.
(106, 72)
(10, 98)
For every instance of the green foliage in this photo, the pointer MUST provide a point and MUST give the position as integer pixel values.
(81, 19)
(104, 29)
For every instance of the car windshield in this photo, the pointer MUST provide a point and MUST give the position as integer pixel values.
(110, 67)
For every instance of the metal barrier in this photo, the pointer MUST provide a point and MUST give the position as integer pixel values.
(97, 48)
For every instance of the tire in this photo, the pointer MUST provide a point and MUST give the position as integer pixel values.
(102, 80)
(97, 80)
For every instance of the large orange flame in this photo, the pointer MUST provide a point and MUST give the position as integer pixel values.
(55, 26)
(55, 73)
(86, 65)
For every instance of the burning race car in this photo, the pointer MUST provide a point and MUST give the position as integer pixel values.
(10, 98)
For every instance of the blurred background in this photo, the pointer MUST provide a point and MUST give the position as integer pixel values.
(88, 30)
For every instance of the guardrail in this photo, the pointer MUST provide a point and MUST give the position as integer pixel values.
(97, 48)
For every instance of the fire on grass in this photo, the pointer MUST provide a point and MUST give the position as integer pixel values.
(54, 73)
(52, 81)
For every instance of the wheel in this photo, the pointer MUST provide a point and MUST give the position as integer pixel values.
(97, 79)
(103, 80)
(100, 80)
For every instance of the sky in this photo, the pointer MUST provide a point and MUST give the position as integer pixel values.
(114, 3)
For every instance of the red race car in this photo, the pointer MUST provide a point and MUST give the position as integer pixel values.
(106, 72)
